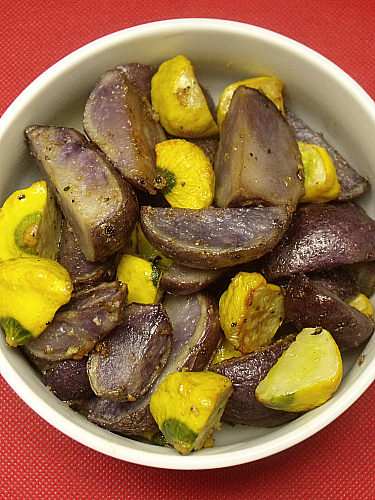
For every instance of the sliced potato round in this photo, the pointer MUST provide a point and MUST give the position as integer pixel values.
(305, 376)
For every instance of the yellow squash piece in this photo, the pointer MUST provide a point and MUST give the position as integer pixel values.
(188, 406)
(251, 310)
(305, 376)
(186, 174)
(141, 277)
(31, 291)
(30, 224)
(225, 351)
(363, 304)
(149, 252)
(179, 100)
(321, 183)
(271, 87)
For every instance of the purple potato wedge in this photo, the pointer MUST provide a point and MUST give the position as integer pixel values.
(183, 280)
(139, 75)
(120, 121)
(245, 373)
(126, 363)
(99, 204)
(196, 336)
(258, 161)
(309, 304)
(212, 238)
(79, 325)
(322, 236)
(208, 145)
(68, 380)
(352, 183)
(83, 273)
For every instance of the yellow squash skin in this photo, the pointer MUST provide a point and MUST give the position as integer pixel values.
(225, 351)
(179, 100)
(251, 310)
(363, 304)
(187, 172)
(271, 87)
(321, 183)
(30, 224)
(149, 252)
(188, 406)
(31, 291)
(305, 376)
(141, 277)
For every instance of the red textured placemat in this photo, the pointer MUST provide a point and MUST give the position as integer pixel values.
(37, 461)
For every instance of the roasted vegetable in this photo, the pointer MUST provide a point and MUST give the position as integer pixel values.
(98, 203)
(141, 277)
(196, 335)
(31, 291)
(363, 304)
(179, 100)
(306, 375)
(83, 273)
(140, 76)
(321, 184)
(271, 87)
(211, 237)
(309, 304)
(245, 373)
(68, 380)
(185, 174)
(322, 236)
(351, 182)
(188, 406)
(30, 224)
(251, 310)
(258, 160)
(78, 326)
(183, 280)
(120, 121)
(125, 364)
(225, 351)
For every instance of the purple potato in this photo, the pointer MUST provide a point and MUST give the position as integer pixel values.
(120, 121)
(196, 335)
(68, 380)
(309, 304)
(212, 238)
(139, 75)
(100, 206)
(352, 183)
(208, 145)
(245, 373)
(183, 280)
(258, 161)
(83, 273)
(339, 281)
(126, 363)
(79, 325)
(322, 236)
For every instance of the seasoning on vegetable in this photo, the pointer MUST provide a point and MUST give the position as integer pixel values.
(305, 376)
(179, 100)
(186, 173)
(251, 310)
(188, 406)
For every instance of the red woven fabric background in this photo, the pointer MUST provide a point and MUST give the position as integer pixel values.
(37, 461)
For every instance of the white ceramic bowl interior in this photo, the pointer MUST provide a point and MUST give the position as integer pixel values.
(222, 52)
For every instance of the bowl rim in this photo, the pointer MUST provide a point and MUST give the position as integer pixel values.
(229, 456)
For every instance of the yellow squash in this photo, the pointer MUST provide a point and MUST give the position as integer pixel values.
(188, 406)
(179, 100)
(31, 291)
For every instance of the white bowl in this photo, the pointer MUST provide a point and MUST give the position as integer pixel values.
(222, 52)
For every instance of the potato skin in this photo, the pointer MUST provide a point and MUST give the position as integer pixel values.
(322, 236)
(245, 373)
(310, 304)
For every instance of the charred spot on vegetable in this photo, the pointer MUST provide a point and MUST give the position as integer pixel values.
(21, 197)
(317, 331)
